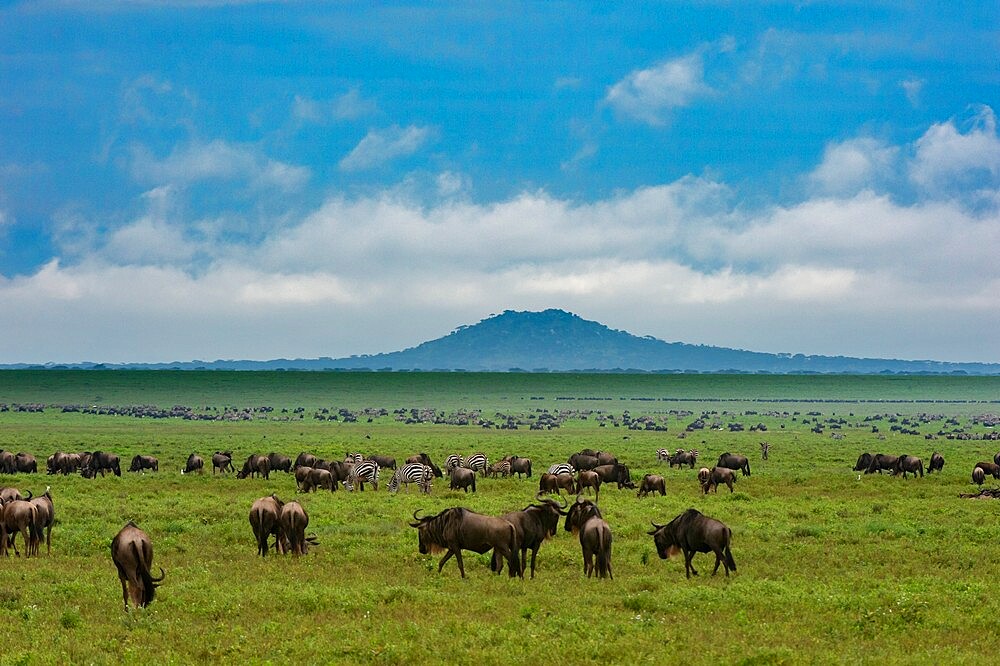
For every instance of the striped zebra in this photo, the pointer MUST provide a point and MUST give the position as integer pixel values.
(477, 462)
(354, 458)
(362, 472)
(562, 468)
(417, 473)
(453, 461)
(501, 468)
(662, 455)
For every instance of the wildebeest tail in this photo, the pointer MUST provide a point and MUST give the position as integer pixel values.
(603, 554)
(730, 562)
(148, 584)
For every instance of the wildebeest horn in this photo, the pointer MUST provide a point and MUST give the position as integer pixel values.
(655, 526)
(157, 580)
(29, 495)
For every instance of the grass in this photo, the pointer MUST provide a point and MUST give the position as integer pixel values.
(831, 568)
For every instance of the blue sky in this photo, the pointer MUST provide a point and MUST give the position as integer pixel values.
(199, 179)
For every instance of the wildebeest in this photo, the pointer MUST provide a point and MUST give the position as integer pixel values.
(101, 462)
(317, 478)
(588, 478)
(734, 461)
(547, 484)
(704, 474)
(978, 475)
(194, 463)
(279, 462)
(910, 464)
(457, 529)
(132, 553)
(305, 460)
(23, 463)
(462, 478)
(140, 463)
(534, 524)
(6, 462)
(384, 462)
(566, 482)
(936, 464)
(581, 461)
(223, 462)
(19, 516)
(615, 473)
(651, 483)
(265, 514)
(425, 459)
(520, 466)
(255, 465)
(584, 518)
(294, 520)
(881, 461)
(682, 457)
(716, 476)
(302, 478)
(11, 494)
(992, 469)
(44, 518)
(864, 462)
(63, 463)
(693, 532)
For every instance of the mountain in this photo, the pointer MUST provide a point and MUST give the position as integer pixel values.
(559, 341)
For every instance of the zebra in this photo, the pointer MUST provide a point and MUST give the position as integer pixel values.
(366, 470)
(562, 468)
(453, 461)
(501, 468)
(477, 462)
(417, 473)
(662, 455)
(354, 458)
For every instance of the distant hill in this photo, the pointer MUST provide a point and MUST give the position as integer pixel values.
(559, 341)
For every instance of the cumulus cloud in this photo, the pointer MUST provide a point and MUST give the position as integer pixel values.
(382, 146)
(649, 94)
(947, 160)
(216, 160)
(853, 165)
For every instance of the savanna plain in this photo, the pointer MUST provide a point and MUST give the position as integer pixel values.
(834, 566)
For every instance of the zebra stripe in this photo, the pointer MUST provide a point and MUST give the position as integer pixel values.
(354, 458)
(562, 468)
(364, 471)
(501, 468)
(662, 455)
(453, 461)
(417, 473)
(477, 462)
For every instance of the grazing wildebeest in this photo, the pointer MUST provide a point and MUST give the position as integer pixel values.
(682, 457)
(305, 460)
(615, 473)
(279, 462)
(584, 518)
(992, 469)
(936, 464)
(580, 461)
(547, 484)
(132, 553)
(588, 478)
(6, 462)
(11, 494)
(704, 474)
(44, 518)
(534, 524)
(318, 478)
(692, 532)
(864, 462)
(462, 477)
(19, 517)
(457, 529)
(194, 463)
(101, 462)
(605, 457)
(255, 465)
(265, 514)
(384, 462)
(140, 463)
(520, 466)
(734, 461)
(996, 458)
(978, 475)
(910, 464)
(25, 463)
(302, 478)
(881, 461)
(651, 483)
(222, 461)
(294, 520)
(566, 482)
(719, 475)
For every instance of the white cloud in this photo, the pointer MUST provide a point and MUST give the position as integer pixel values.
(853, 165)
(649, 94)
(381, 146)
(352, 105)
(216, 160)
(947, 160)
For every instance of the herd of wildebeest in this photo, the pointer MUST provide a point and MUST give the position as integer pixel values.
(450, 531)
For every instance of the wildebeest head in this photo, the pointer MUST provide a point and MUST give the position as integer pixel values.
(430, 531)
(580, 512)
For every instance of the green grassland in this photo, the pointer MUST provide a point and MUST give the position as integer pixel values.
(831, 568)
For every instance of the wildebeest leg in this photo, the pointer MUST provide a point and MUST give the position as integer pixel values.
(461, 565)
(688, 566)
(588, 562)
(447, 556)
(718, 561)
(524, 558)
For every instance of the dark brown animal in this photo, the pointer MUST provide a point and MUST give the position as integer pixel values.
(194, 464)
(703, 475)
(279, 463)
(18, 517)
(682, 457)
(140, 463)
(881, 461)
(936, 464)
(425, 459)
(588, 479)
(652, 483)
(534, 524)
(462, 478)
(992, 469)
(547, 484)
(223, 462)
(520, 466)
(101, 462)
(294, 521)
(11, 494)
(320, 478)
(690, 533)
(615, 473)
(384, 462)
(305, 460)
(580, 461)
(734, 461)
(6, 462)
(584, 519)
(911, 464)
(864, 462)
(978, 475)
(44, 518)
(566, 482)
(132, 553)
(302, 478)
(457, 529)
(265, 517)
(255, 465)
(719, 475)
